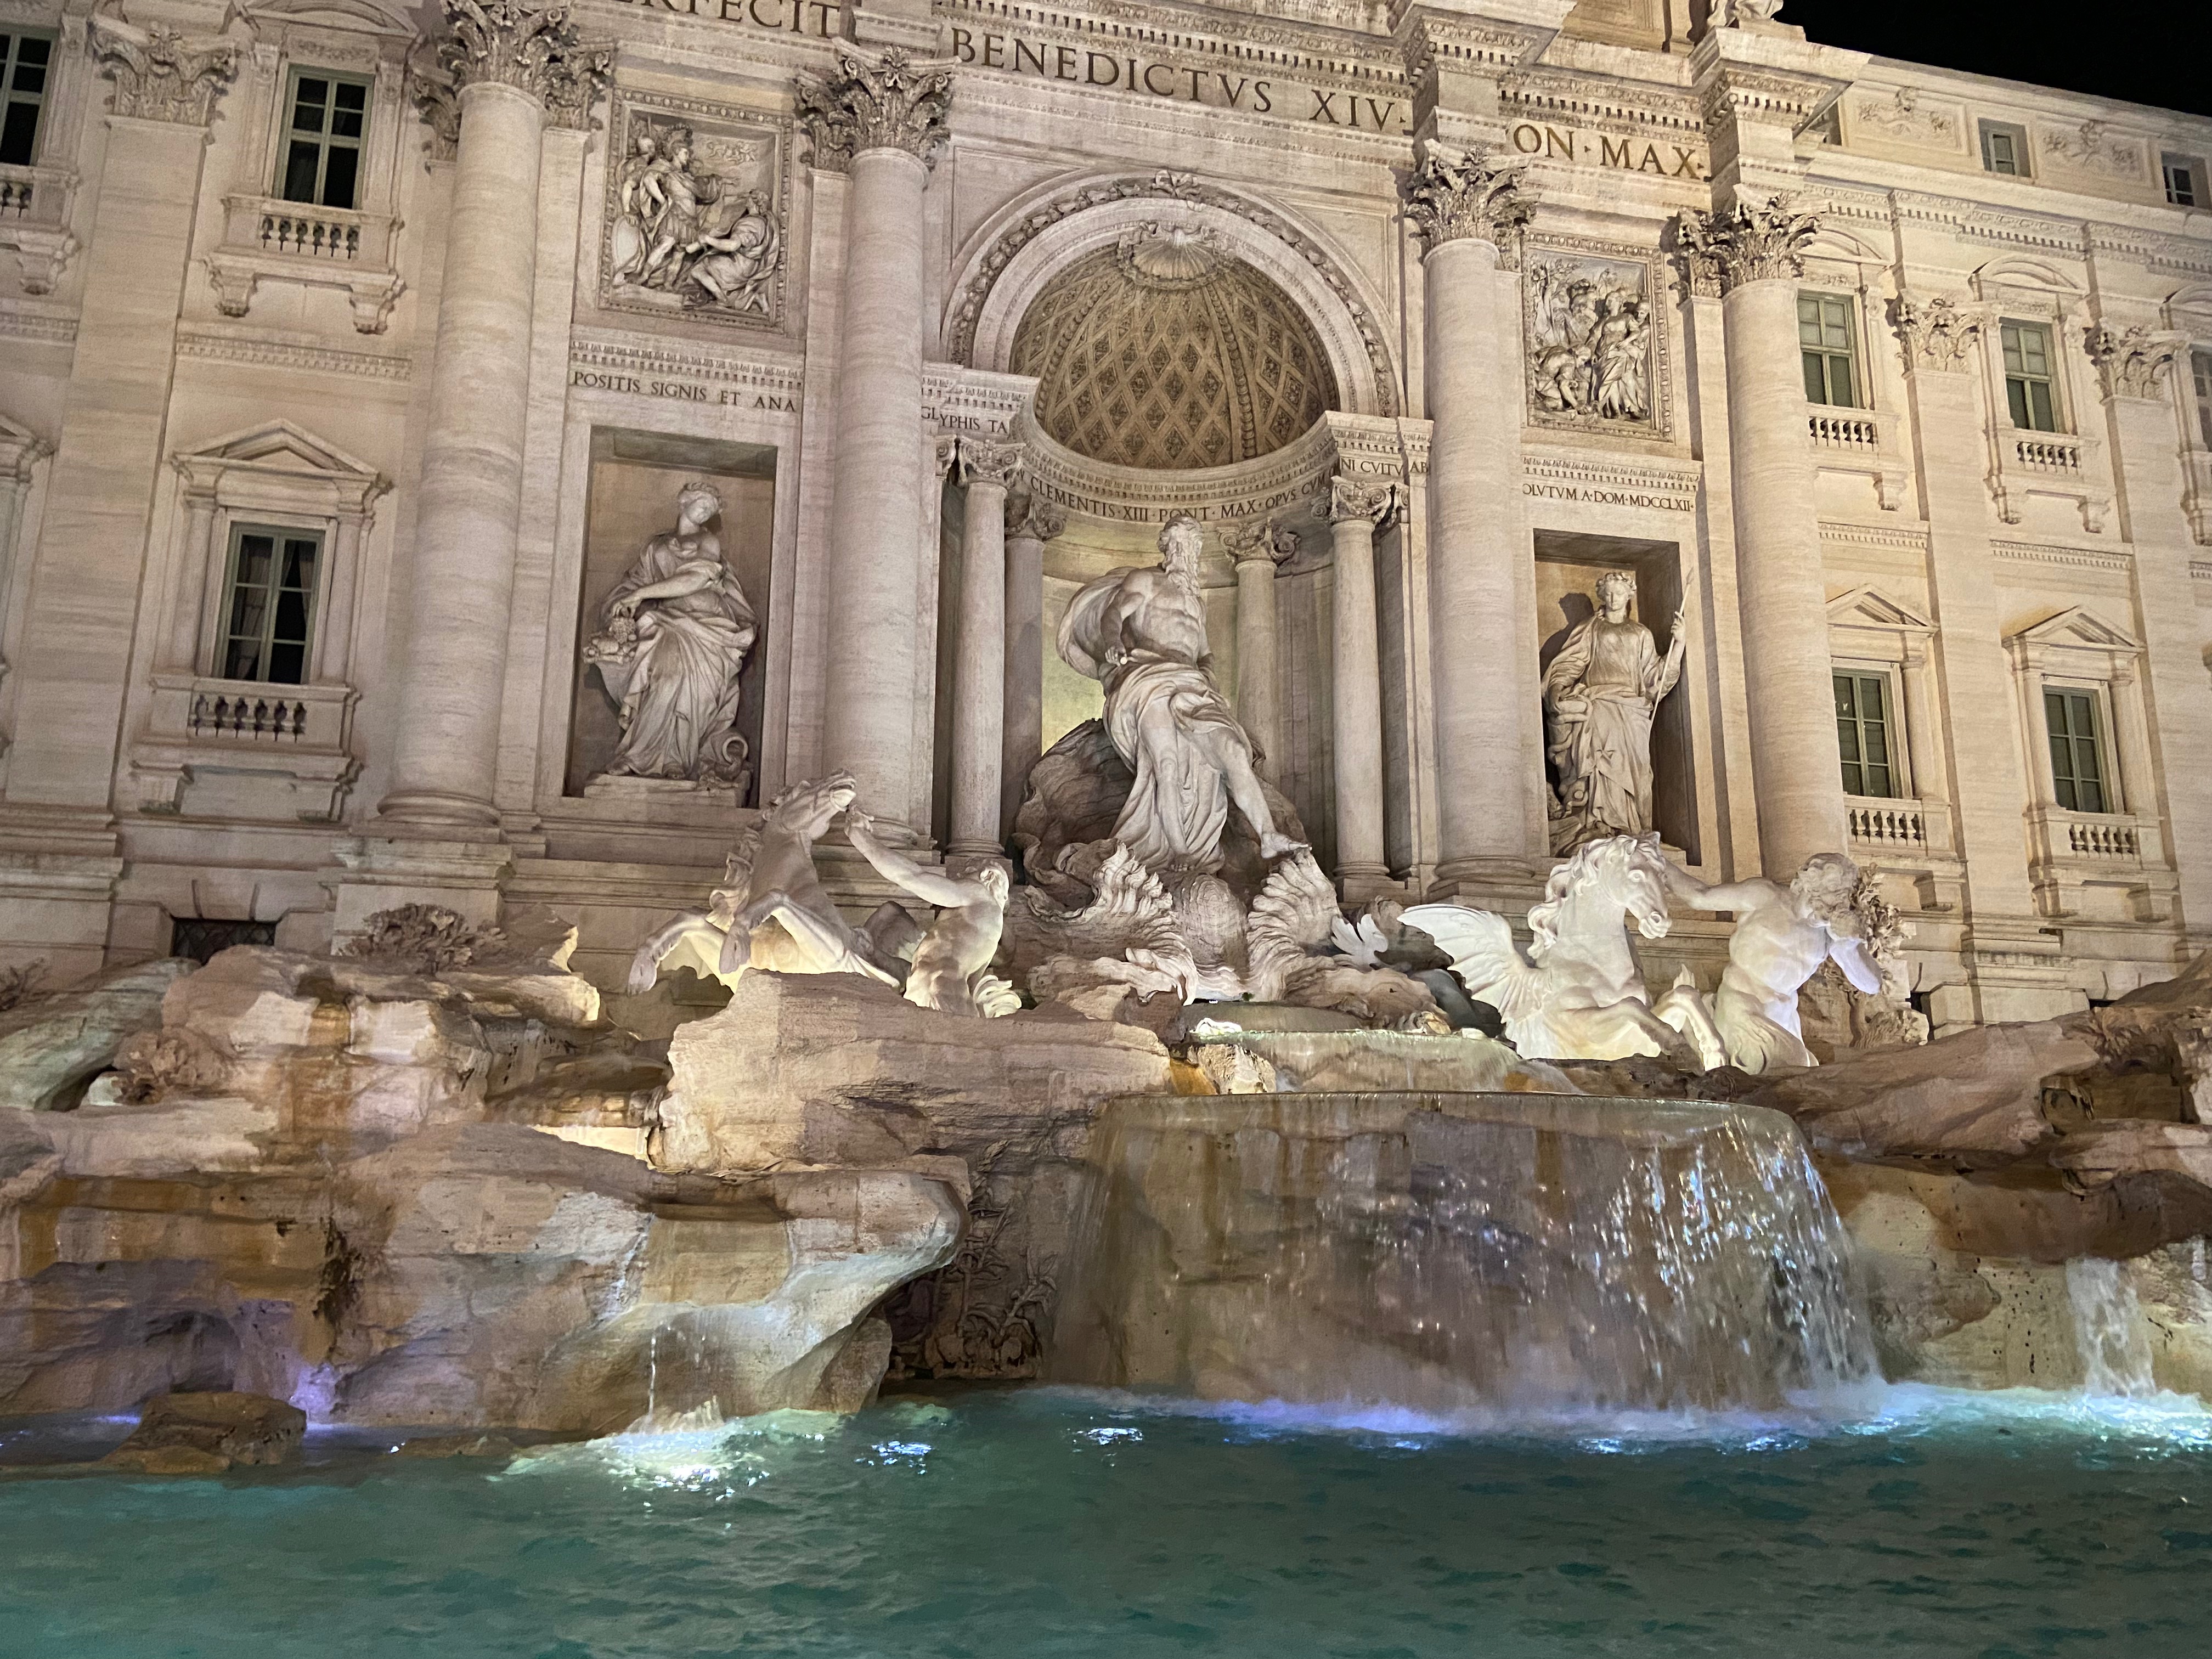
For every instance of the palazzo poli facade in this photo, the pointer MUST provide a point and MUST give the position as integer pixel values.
(375, 407)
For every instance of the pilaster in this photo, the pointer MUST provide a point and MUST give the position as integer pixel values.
(58, 849)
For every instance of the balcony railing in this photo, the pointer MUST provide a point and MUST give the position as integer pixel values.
(253, 716)
(1856, 433)
(1898, 823)
(2048, 451)
(300, 230)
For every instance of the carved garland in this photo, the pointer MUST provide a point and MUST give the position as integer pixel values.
(1170, 187)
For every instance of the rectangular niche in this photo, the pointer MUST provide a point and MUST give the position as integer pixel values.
(635, 480)
(1567, 569)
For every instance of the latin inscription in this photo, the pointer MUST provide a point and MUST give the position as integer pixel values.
(1108, 71)
(815, 17)
(681, 391)
(1602, 149)
(1610, 497)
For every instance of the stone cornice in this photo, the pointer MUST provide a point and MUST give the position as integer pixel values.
(158, 75)
(1314, 51)
(1544, 94)
(894, 103)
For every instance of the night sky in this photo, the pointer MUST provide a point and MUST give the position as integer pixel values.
(2149, 52)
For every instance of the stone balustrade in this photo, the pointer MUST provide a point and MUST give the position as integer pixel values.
(34, 202)
(265, 240)
(2047, 451)
(1855, 431)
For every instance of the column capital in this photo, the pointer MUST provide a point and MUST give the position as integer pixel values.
(896, 103)
(532, 48)
(159, 76)
(1454, 194)
(1730, 247)
(1939, 333)
(981, 461)
(1349, 501)
(2132, 362)
(1028, 518)
(1259, 541)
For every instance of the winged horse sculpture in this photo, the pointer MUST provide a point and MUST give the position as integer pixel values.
(1577, 995)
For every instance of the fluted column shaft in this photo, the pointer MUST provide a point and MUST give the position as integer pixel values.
(1022, 739)
(978, 663)
(446, 746)
(1256, 549)
(1356, 692)
(1482, 604)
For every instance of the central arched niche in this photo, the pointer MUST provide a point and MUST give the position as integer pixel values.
(1164, 351)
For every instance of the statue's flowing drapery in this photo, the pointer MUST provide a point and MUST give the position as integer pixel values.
(1170, 723)
(1604, 758)
(679, 696)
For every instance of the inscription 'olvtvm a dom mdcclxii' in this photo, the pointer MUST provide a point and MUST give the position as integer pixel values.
(487, 456)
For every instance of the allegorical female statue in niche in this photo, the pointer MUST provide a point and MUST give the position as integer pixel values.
(1599, 696)
(673, 639)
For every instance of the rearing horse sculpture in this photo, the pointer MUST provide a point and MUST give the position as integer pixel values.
(1577, 995)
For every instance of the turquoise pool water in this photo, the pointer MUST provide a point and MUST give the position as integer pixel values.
(1050, 1523)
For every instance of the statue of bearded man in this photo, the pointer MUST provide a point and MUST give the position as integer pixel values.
(1140, 631)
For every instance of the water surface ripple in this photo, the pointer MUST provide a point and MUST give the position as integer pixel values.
(1058, 1522)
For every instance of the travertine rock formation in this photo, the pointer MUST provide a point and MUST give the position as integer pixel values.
(834, 1069)
(339, 1195)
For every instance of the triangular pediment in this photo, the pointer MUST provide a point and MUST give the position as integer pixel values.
(280, 446)
(2079, 628)
(1869, 607)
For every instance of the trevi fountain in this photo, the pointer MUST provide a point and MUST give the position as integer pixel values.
(999, 973)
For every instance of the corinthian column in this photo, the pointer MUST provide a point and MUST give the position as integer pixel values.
(1257, 550)
(884, 122)
(1354, 511)
(987, 471)
(1482, 599)
(1752, 253)
(506, 64)
(1030, 525)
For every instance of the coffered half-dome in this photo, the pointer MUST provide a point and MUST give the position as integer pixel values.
(1164, 352)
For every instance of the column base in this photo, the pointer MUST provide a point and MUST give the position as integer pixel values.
(1506, 885)
(58, 872)
(1358, 882)
(382, 872)
(434, 815)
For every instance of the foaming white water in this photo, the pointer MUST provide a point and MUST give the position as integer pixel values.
(1884, 1408)
(2108, 1328)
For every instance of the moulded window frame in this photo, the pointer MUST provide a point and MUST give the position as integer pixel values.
(44, 98)
(2053, 375)
(1890, 674)
(215, 625)
(2105, 736)
(2022, 165)
(2201, 197)
(363, 155)
(1854, 351)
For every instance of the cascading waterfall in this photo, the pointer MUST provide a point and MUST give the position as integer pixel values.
(1456, 1252)
(2108, 1330)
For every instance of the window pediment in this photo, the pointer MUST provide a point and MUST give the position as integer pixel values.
(279, 465)
(2079, 629)
(1870, 608)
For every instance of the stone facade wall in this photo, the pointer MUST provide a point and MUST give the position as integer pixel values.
(429, 381)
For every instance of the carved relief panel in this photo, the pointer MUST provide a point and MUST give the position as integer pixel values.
(1595, 338)
(697, 208)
